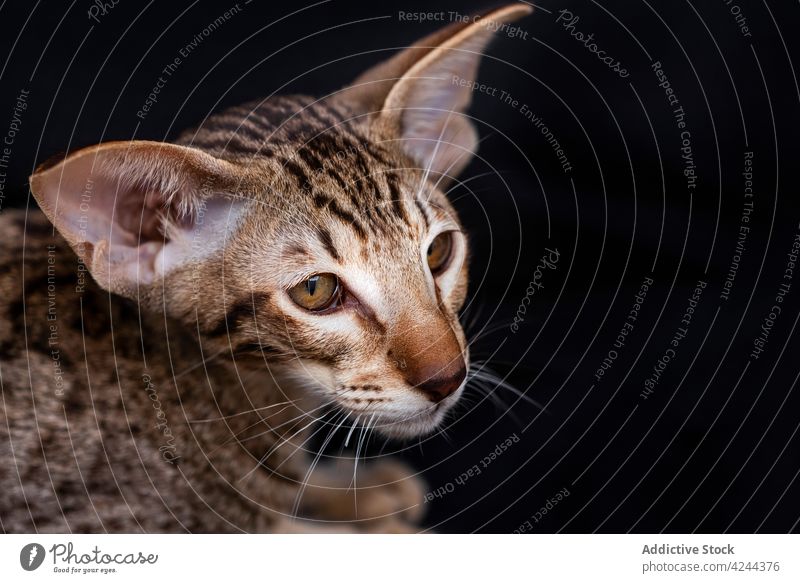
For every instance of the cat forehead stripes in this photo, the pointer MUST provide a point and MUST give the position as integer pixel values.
(330, 159)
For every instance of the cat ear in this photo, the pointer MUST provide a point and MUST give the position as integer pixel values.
(421, 94)
(133, 211)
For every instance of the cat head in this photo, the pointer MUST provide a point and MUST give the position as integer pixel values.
(315, 235)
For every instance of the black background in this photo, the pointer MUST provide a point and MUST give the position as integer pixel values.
(714, 448)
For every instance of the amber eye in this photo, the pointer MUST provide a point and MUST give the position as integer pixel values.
(316, 293)
(439, 252)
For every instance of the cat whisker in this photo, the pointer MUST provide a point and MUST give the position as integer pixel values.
(300, 415)
(441, 431)
(296, 418)
(270, 429)
(500, 383)
(280, 443)
(386, 441)
(489, 393)
(486, 331)
(257, 409)
(317, 457)
(234, 436)
(496, 400)
(333, 424)
(364, 430)
(355, 423)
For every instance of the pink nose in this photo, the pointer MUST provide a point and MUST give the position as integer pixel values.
(438, 382)
(428, 354)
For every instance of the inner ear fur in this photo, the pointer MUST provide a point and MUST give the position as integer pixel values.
(119, 203)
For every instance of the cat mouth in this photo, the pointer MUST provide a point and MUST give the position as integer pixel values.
(398, 417)
(405, 425)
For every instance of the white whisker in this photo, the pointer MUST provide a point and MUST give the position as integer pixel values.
(282, 441)
(347, 441)
(257, 409)
(313, 465)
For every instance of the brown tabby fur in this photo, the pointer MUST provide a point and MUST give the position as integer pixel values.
(175, 397)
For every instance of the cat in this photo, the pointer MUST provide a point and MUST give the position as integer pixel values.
(180, 315)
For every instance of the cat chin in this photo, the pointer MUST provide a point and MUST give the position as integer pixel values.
(403, 425)
(405, 430)
(408, 428)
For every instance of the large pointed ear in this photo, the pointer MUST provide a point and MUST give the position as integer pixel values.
(421, 94)
(133, 211)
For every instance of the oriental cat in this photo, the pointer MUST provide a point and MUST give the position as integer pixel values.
(181, 319)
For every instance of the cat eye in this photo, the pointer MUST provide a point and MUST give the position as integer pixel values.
(439, 252)
(317, 293)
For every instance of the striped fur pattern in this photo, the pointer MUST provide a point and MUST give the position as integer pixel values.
(157, 376)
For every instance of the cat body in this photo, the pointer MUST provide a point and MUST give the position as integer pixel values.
(183, 318)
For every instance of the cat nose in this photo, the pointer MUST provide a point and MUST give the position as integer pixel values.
(437, 382)
(428, 355)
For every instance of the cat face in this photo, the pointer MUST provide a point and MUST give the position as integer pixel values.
(312, 235)
(358, 300)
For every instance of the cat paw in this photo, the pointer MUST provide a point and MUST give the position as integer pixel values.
(386, 496)
(390, 488)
